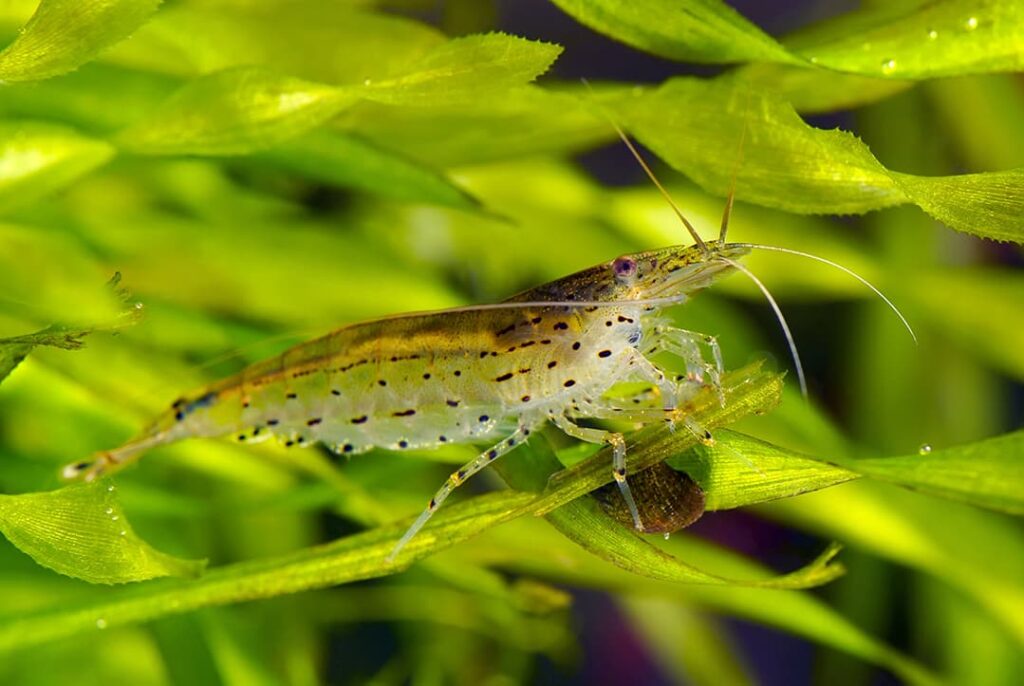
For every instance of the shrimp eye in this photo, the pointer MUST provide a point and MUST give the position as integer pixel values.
(624, 268)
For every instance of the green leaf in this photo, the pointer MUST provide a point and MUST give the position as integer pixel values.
(351, 162)
(742, 470)
(920, 40)
(36, 159)
(987, 205)
(64, 34)
(696, 126)
(986, 474)
(908, 41)
(466, 69)
(812, 91)
(301, 38)
(81, 531)
(685, 30)
(236, 111)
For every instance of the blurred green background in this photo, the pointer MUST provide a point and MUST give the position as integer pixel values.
(263, 172)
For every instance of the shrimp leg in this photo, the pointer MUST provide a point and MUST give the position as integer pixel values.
(618, 444)
(458, 478)
(685, 345)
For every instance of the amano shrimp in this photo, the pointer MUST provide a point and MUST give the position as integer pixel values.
(479, 374)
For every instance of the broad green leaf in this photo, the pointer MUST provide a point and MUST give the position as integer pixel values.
(329, 42)
(64, 34)
(523, 121)
(987, 474)
(696, 126)
(467, 69)
(81, 531)
(740, 470)
(920, 40)
(37, 159)
(685, 30)
(908, 41)
(233, 112)
(352, 162)
(988, 204)
(812, 91)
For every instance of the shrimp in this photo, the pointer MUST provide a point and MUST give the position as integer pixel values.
(488, 373)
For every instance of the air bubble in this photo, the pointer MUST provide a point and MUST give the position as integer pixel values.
(367, 82)
(813, 60)
(101, 623)
(124, 532)
(110, 488)
(667, 535)
(114, 518)
(925, 449)
(932, 34)
(110, 510)
(971, 23)
(888, 66)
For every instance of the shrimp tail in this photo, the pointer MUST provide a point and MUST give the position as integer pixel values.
(106, 462)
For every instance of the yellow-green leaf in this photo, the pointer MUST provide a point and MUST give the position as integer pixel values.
(466, 68)
(81, 531)
(64, 34)
(235, 111)
(696, 126)
(37, 159)
(907, 40)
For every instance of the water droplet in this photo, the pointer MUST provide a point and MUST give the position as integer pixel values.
(114, 518)
(888, 66)
(971, 23)
(668, 535)
(139, 306)
(932, 34)
(924, 449)
(110, 510)
(110, 488)
(124, 532)
(101, 623)
(813, 60)
(367, 82)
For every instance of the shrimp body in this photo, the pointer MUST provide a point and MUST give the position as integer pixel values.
(466, 375)
(419, 381)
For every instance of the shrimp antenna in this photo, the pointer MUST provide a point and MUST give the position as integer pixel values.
(841, 268)
(650, 174)
(778, 315)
